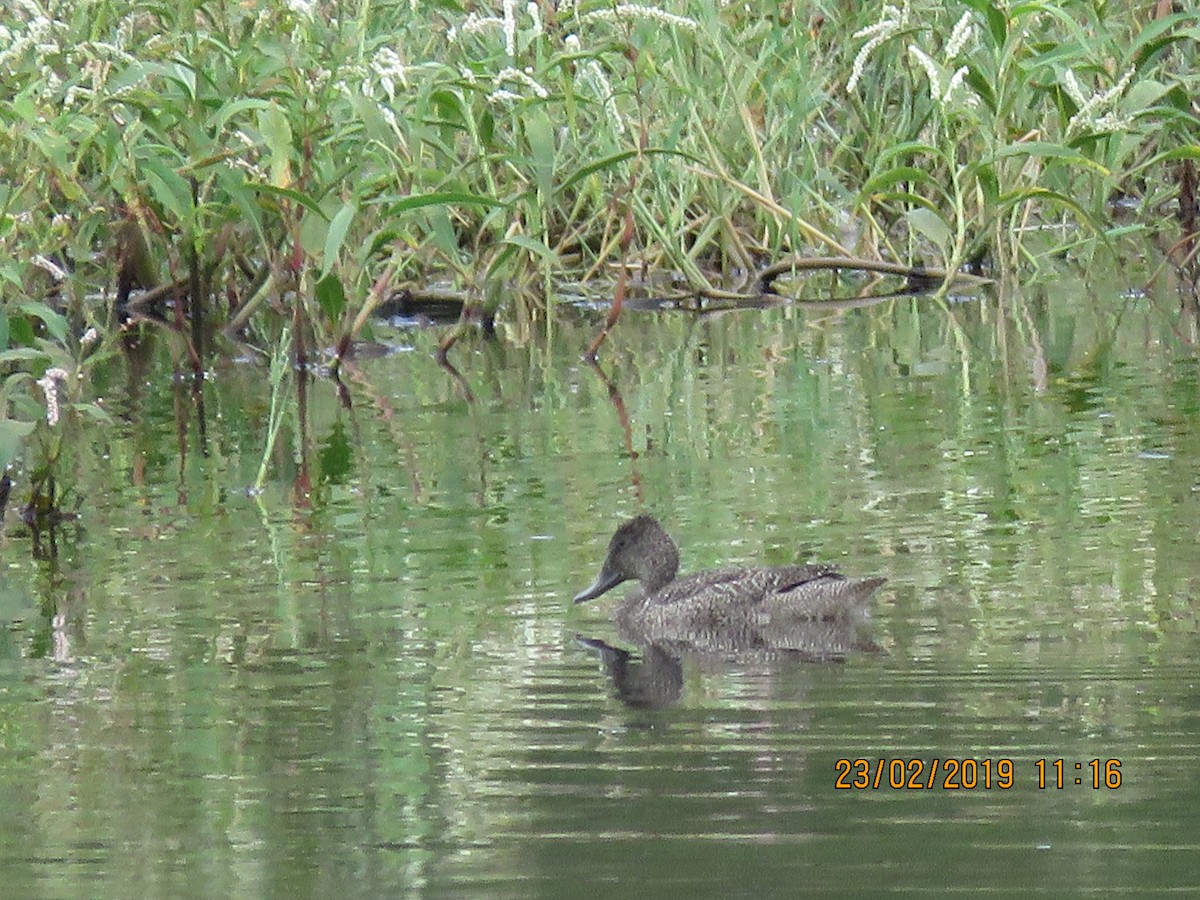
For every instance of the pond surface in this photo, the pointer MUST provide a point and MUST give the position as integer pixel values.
(370, 680)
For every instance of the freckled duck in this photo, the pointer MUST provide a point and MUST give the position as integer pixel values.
(747, 602)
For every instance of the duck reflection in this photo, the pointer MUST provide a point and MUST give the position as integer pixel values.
(655, 681)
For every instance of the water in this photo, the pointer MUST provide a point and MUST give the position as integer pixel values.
(380, 687)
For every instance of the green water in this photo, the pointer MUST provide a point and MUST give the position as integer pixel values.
(377, 687)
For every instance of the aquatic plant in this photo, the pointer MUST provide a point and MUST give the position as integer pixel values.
(1005, 139)
(287, 166)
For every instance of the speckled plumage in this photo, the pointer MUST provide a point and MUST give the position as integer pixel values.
(725, 609)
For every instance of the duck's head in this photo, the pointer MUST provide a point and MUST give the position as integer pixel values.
(641, 549)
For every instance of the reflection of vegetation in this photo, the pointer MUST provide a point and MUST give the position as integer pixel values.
(372, 679)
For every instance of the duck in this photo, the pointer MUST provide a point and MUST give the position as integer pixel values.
(726, 609)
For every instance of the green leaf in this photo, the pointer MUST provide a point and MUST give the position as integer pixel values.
(982, 86)
(229, 111)
(908, 148)
(444, 236)
(616, 159)
(20, 332)
(1020, 11)
(94, 412)
(495, 268)
(540, 136)
(331, 297)
(487, 130)
(336, 236)
(1047, 150)
(22, 354)
(55, 322)
(537, 248)
(1192, 151)
(380, 239)
(1023, 195)
(988, 183)
(277, 132)
(11, 433)
(375, 127)
(899, 175)
(184, 76)
(1143, 95)
(930, 224)
(303, 199)
(997, 21)
(131, 75)
(3, 329)
(1153, 39)
(905, 198)
(450, 107)
(313, 231)
(396, 204)
(241, 194)
(170, 189)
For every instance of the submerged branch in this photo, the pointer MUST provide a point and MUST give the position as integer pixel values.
(854, 264)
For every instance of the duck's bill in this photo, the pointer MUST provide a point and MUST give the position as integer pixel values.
(605, 581)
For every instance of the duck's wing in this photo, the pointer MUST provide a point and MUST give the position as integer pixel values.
(762, 594)
(821, 595)
(789, 578)
(746, 586)
(719, 587)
